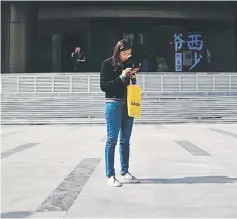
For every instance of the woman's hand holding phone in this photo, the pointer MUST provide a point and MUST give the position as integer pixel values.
(129, 72)
(132, 73)
(126, 72)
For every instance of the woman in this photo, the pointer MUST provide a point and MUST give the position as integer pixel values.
(114, 80)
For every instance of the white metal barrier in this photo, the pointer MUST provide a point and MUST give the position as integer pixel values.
(89, 83)
(77, 98)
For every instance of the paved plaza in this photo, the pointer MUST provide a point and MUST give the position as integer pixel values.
(57, 171)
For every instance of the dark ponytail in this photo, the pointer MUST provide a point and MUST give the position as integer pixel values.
(121, 45)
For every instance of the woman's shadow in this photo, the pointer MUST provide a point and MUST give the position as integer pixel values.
(190, 180)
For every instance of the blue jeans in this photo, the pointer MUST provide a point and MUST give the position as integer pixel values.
(118, 121)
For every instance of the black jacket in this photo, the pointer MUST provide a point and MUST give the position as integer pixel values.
(111, 83)
(80, 55)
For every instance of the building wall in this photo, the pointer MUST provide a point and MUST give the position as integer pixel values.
(214, 11)
(223, 49)
(69, 34)
(236, 42)
(5, 20)
(102, 26)
(60, 24)
(19, 28)
(97, 38)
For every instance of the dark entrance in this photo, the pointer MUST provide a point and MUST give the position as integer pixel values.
(69, 43)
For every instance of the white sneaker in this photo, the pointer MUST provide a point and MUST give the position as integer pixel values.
(128, 178)
(112, 181)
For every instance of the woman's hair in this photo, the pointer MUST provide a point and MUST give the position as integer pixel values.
(121, 45)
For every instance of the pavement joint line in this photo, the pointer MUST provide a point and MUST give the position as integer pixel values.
(17, 149)
(11, 133)
(191, 148)
(63, 197)
(223, 132)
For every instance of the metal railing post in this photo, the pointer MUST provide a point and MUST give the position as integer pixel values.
(52, 84)
(213, 83)
(89, 84)
(161, 83)
(179, 83)
(35, 89)
(17, 84)
(70, 77)
(197, 87)
(144, 83)
(1, 85)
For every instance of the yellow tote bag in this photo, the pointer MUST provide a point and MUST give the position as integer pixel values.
(134, 96)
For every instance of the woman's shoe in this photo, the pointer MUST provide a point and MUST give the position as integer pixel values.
(112, 181)
(128, 178)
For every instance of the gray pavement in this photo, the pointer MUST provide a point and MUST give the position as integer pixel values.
(57, 171)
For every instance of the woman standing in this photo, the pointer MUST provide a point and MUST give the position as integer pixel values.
(114, 80)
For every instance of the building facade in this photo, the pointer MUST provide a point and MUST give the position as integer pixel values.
(175, 36)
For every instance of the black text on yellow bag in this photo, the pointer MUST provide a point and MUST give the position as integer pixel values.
(134, 96)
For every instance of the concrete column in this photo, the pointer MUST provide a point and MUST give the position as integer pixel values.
(5, 16)
(57, 52)
(22, 36)
(236, 43)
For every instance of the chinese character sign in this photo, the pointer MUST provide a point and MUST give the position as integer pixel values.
(178, 42)
(195, 44)
(178, 61)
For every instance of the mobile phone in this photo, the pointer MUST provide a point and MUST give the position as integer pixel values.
(135, 70)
